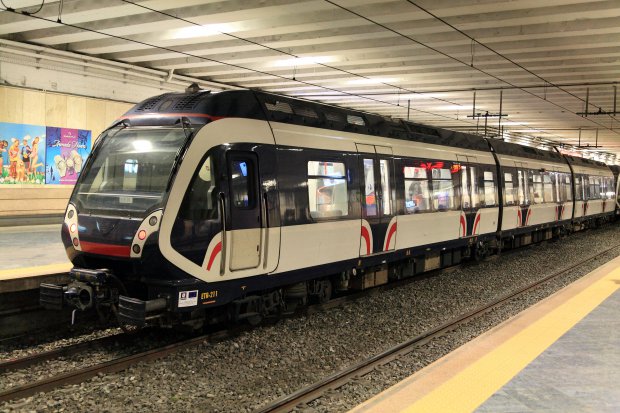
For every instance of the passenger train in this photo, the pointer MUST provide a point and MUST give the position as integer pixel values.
(199, 208)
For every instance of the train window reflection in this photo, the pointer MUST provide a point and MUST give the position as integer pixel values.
(240, 182)
(417, 196)
(510, 195)
(125, 178)
(369, 188)
(489, 188)
(327, 189)
(443, 190)
(385, 186)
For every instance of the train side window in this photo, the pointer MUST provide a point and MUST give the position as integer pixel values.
(522, 191)
(589, 187)
(370, 195)
(473, 179)
(567, 188)
(489, 188)
(538, 188)
(417, 196)
(560, 195)
(578, 188)
(242, 194)
(443, 190)
(548, 190)
(199, 203)
(384, 170)
(609, 190)
(561, 187)
(509, 189)
(327, 189)
(465, 193)
(595, 187)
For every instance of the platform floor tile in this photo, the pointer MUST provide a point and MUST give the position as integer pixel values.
(579, 373)
(31, 246)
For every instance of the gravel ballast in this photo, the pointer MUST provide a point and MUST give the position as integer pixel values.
(241, 374)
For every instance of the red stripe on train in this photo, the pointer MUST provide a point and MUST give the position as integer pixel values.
(476, 224)
(106, 249)
(216, 250)
(389, 237)
(366, 237)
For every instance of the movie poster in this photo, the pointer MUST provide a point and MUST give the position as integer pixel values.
(66, 152)
(22, 150)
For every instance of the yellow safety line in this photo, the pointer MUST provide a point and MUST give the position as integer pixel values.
(468, 389)
(24, 272)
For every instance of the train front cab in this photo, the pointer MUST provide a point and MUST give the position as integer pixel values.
(221, 223)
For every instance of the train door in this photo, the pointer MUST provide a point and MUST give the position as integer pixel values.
(470, 201)
(244, 228)
(378, 226)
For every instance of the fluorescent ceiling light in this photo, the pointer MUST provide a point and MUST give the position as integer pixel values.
(198, 31)
(302, 61)
(371, 81)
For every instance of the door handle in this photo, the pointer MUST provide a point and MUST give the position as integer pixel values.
(264, 214)
(223, 215)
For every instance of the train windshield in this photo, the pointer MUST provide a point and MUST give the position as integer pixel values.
(130, 171)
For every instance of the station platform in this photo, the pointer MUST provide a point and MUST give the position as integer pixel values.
(560, 355)
(31, 255)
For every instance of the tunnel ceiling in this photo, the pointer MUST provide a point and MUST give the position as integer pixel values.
(550, 66)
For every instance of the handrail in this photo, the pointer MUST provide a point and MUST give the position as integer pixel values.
(265, 225)
(223, 252)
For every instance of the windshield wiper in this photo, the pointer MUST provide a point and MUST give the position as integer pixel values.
(124, 123)
(184, 121)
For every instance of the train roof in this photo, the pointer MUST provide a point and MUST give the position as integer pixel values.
(302, 112)
(586, 162)
(201, 107)
(506, 148)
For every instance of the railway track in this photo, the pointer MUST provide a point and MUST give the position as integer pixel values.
(122, 363)
(37, 358)
(300, 398)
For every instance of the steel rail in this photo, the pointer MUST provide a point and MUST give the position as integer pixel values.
(332, 382)
(83, 374)
(318, 389)
(37, 358)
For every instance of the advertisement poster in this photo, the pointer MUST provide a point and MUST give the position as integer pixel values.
(22, 150)
(66, 152)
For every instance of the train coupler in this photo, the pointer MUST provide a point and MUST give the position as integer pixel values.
(87, 289)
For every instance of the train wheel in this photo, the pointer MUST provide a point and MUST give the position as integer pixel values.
(481, 251)
(325, 293)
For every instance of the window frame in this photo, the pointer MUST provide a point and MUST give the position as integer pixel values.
(313, 213)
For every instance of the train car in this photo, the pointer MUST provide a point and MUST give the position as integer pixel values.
(200, 207)
(615, 169)
(594, 189)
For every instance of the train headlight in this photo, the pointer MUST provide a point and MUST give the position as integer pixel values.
(149, 226)
(71, 222)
